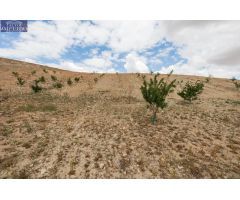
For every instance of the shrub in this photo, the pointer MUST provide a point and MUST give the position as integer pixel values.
(54, 71)
(69, 81)
(191, 90)
(155, 92)
(237, 84)
(45, 71)
(102, 75)
(233, 79)
(35, 87)
(76, 79)
(54, 78)
(33, 72)
(207, 79)
(95, 80)
(15, 74)
(58, 85)
(20, 81)
(42, 79)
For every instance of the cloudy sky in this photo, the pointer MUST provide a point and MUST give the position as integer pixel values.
(188, 47)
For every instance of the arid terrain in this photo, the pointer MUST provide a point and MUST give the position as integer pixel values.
(100, 127)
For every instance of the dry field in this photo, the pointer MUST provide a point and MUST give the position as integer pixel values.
(100, 128)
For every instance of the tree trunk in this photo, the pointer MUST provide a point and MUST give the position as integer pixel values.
(154, 116)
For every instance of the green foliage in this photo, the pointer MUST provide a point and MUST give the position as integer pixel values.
(57, 85)
(69, 82)
(35, 87)
(45, 71)
(15, 74)
(76, 79)
(191, 90)
(33, 72)
(20, 81)
(155, 92)
(54, 78)
(42, 79)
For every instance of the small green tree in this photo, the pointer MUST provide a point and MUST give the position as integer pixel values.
(155, 92)
(42, 79)
(15, 74)
(20, 81)
(191, 90)
(54, 78)
(35, 87)
(57, 85)
(76, 79)
(69, 81)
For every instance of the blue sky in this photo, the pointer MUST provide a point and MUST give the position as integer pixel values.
(188, 47)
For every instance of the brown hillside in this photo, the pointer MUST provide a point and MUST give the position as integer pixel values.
(100, 128)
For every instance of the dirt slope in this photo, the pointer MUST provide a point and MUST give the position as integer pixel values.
(100, 128)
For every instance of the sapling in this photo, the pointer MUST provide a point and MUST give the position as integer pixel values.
(15, 74)
(35, 87)
(54, 78)
(155, 92)
(191, 90)
(237, 84)
(76, 79)
(42, 79)
(69, 81)
(20, 81)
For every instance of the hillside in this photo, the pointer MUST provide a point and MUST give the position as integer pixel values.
(99, 127)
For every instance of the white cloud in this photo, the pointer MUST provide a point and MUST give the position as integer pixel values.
(134, 63)
(209, 46)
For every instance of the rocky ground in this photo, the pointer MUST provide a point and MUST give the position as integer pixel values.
(102, 129)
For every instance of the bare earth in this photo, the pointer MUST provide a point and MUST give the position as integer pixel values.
(102, 129)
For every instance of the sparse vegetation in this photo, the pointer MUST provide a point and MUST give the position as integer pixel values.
(57, 85)
(36, 87)
(40, 107)
(69, 82)
(191, 90)
(237, 84)
(45, 71)
(33, 72)
(95, 80)
(76, 79)
(15, 74)
(54, 78)
(5, 130)
(155, 92)
(42, 79)
(207, 79)
(20, 81)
